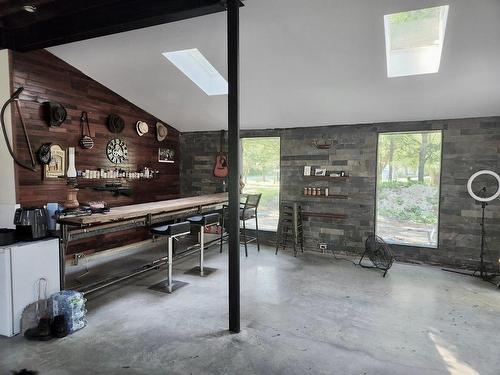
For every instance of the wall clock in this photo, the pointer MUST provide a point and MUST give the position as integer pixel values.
(117, 151)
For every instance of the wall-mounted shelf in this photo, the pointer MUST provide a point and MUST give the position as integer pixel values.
(114, 179)
(334, 178)
(325, 215)
(330, 196)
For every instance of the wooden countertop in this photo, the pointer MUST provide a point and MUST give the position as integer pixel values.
(144, 209)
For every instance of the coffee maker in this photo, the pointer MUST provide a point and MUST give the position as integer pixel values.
(31, 223)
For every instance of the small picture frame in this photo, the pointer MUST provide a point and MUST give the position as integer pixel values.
(320, 172)
(57, 165)
(307, 170)
(166, 155)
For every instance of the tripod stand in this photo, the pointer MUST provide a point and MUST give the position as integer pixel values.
(482, 271)
(483, 274)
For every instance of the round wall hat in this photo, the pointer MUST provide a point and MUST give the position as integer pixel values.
(55, 113)
(141, 127)
(115, 123)
(161, 131)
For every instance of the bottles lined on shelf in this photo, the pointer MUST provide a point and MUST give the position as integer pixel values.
(144, 173)
(316, 191)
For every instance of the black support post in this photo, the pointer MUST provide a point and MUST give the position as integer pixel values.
(234, 164)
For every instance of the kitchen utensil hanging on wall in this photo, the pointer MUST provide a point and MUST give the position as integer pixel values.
(85, 142)
(15, 98)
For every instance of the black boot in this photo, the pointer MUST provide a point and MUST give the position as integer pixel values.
(58, 326)
(40, 333)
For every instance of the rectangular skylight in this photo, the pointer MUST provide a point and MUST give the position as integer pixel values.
(194, 65)
(414, 41)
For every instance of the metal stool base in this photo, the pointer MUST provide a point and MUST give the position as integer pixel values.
(162, 286)
(195, 271)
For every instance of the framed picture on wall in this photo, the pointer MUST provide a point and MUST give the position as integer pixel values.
(166, 155)
(57, 165)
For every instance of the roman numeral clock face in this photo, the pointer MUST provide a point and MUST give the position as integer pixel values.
(116, 151)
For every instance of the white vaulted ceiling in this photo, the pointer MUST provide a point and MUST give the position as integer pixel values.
(303, 63)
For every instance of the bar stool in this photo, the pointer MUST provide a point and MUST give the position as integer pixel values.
(170, 231)
(202, 221)
(248, 210)
(290, 221)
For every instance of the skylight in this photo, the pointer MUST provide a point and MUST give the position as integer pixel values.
(194, 65)
(414, 41)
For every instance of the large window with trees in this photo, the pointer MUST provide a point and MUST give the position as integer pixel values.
(261, 174)
(408, 183)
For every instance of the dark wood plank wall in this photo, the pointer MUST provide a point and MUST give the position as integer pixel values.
(47, 78)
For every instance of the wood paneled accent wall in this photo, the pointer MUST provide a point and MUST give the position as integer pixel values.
(48, 78)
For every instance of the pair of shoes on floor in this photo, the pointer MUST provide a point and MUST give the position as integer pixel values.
(47, 329)
(24, 372)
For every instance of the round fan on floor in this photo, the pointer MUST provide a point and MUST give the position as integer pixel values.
(379, 253)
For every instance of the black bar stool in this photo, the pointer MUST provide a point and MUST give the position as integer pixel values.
(170, 231)
(202, 221)
(248, 210)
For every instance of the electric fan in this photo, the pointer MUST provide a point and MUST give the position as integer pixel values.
(379, 253)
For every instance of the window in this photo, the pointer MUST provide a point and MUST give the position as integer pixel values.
(197, 68)
(408, 177)
(414, 41)
(261, 174)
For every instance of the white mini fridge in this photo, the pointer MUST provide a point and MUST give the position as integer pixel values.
(21, 266)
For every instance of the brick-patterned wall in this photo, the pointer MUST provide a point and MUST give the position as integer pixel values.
(468, 146)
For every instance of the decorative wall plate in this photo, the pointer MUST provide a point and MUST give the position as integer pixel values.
(117, 151)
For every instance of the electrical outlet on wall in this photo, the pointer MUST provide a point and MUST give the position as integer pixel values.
(322, 246)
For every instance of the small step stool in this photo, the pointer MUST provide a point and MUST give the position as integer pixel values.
(290, 227)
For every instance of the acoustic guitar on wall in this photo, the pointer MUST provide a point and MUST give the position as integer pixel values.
(221, 168)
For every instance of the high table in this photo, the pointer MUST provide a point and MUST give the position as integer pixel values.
(129, 217)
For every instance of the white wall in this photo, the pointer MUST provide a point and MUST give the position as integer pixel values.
(7, 176)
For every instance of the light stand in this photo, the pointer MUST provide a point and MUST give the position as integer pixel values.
(481, 198)
(482, 271)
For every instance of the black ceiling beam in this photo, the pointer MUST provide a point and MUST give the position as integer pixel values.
(91, 19)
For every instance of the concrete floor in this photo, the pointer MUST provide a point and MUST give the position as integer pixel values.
(306, 315)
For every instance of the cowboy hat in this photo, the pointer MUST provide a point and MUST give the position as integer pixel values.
(161, 131)
(115, 123)
(55, 113)
(141, 127)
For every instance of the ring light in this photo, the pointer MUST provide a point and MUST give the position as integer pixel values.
(480, 173)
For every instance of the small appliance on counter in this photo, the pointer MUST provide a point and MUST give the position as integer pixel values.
(7, 236)
(31, 223)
